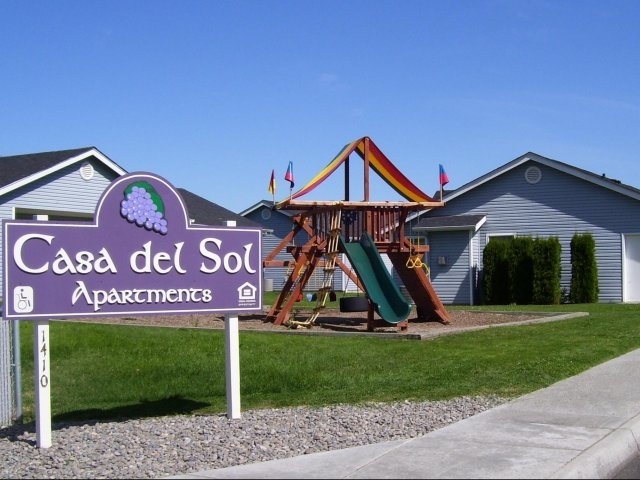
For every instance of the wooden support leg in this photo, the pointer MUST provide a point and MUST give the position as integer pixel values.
(370, 321)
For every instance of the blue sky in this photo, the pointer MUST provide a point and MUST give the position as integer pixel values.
(213, 95)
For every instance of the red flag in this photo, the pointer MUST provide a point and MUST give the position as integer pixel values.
(289, 175)
(444, 178)
(272, 183)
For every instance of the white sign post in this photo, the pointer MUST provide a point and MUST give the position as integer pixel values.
(42, 383)
(232, 359)
(232, 362)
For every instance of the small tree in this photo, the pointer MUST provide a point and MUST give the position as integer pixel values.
(584, 269)
(495, 278)
(546, 271)
(521, 269)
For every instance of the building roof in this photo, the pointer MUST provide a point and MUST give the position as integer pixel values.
(204, 212)
(269, 204)
(598, 179)
(19, 170)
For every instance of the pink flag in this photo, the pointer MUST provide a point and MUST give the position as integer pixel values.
(289, 175)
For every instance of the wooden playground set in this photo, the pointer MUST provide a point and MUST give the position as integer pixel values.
(362, 230)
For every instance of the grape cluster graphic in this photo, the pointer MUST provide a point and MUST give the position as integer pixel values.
(143, 206)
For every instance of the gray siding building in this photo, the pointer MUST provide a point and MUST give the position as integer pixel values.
(538, 197)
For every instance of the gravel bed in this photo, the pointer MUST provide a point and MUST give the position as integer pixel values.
(173, 445)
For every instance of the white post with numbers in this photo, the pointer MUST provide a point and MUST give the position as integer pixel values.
(42, 383)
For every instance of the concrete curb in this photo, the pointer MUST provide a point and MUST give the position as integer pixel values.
(608, 457)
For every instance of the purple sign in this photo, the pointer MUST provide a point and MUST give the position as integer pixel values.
(141, 256)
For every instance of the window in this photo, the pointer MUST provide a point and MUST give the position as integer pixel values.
(30, 214)
(500, 236)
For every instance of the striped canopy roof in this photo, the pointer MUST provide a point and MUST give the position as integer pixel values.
(380, 164)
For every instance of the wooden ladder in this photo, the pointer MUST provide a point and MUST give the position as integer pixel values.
(331, 252)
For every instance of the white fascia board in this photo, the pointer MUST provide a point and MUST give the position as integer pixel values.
(59, 166)
(472, 228)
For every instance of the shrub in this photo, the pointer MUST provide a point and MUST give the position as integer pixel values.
(584, 269)
(495, 278)
(546, 271)
(521, 270)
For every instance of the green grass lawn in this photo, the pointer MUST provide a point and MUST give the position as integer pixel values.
(103, 371)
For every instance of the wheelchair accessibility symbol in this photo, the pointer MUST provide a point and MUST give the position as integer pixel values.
(23, 299)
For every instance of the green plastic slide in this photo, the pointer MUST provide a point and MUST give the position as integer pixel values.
(378, 284)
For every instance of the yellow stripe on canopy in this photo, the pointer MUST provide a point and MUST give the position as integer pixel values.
(329, 169)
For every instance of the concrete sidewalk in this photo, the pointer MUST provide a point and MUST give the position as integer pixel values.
(587, 426)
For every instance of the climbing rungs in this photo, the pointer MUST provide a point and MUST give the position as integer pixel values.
(331, 252)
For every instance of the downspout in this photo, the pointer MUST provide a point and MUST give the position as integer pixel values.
(472, 279)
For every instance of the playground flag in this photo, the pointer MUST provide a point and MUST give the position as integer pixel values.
(289, 175)
(272, 183)
(444, 178)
